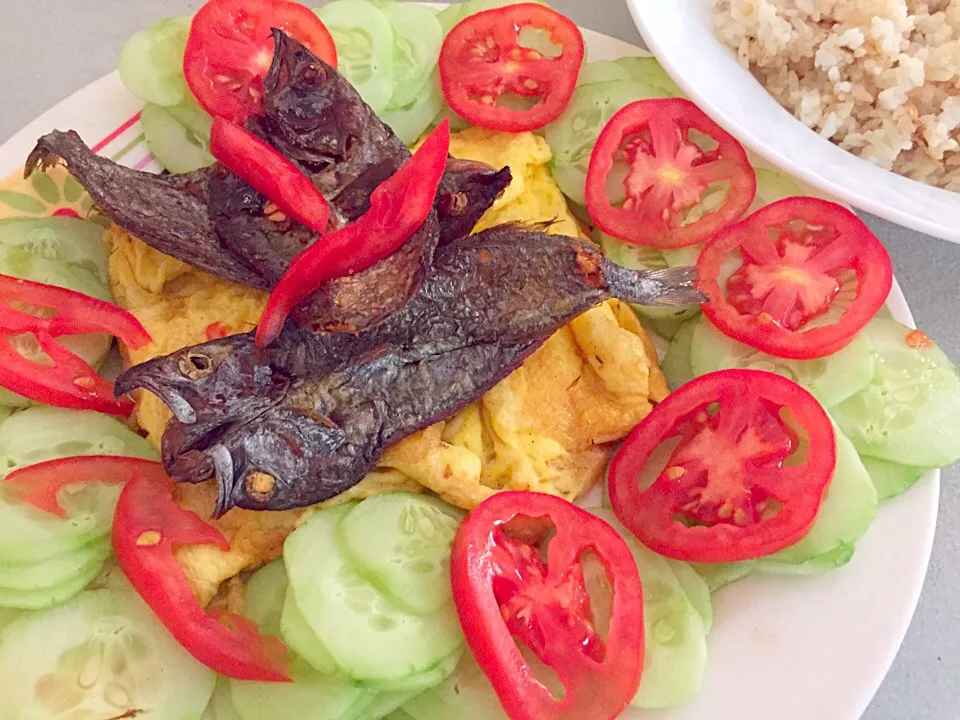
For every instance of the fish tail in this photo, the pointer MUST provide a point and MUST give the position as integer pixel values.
(660, 288)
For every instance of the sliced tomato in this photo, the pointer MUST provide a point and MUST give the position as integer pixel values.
(745, 458)
(230, 49)
(684, 177)
(509, 590)
(484, 60)
(808, 275)
(147, 528)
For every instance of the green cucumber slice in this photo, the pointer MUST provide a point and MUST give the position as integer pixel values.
(602, 71)
(301, 638)
(312, 695)
(573, 135)
(151, 62)
(466, 695)
(718, 576)
(175, 146)
(417, 37)
(39, 598)
(221, 704)
(831, 379)
(370, 639)
(44, 433)
(68, 240)
(675, 653)
(908, 412)
(365, 48)
(264, 595)
(696, 590)
(401, 543)
(891, 479)
(772, 186)
(676, 364)
(56, 570)
(102, 655)
(649, 71)
(410, 122)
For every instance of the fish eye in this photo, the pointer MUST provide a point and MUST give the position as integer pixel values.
(260, 486)
(196, 365)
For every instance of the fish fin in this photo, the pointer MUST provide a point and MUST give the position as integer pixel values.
(658, 288)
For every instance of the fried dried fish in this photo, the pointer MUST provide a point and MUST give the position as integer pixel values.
(306, 418)
(213, 220)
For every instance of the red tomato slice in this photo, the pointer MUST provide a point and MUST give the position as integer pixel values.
(754, 455)
(504, 589)
(669, 175)
(483, 59)
(809, 275)
(230, 49)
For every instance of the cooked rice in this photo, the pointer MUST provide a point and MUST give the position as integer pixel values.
(881, 78)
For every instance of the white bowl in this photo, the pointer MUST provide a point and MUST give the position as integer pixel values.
(681, 34)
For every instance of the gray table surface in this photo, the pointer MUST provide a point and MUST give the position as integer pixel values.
(51, 48)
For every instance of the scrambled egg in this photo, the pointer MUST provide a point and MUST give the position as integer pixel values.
(548, 427)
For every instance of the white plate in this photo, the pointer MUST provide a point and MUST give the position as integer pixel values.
(781, 648)
(680, 33)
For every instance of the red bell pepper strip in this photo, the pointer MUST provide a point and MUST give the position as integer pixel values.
(76, 313)
(398, 207)
(70, 383)
(270, 173)
(148, 525)
(40, 484)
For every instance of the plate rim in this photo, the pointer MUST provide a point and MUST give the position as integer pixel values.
(15, 149)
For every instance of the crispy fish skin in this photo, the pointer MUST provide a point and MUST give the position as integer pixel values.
(305, 419)
(215, 221)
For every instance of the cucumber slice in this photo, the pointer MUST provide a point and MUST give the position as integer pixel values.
(312, 695)
(417, 37)
(401, 542)
(891, 479)
(682, 257)
(602, 71)
(772, 186)
(718, 576)
(102, 655)
(676, 363)
(365, 48)
(40, 598)
(264, 595)
(370, 639)
(417, 683)
(56, 570)
(675, 653)
(410, 122)
(696, 590)
(847, 511)
(648, 71)
(151, 62)
(44, 433)
(573, 135)
(908, 413)
(831, 380)
(221, 704)
(68, 240)
(387, 705)
(301, 638)
(173, 144)
(466, 695)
